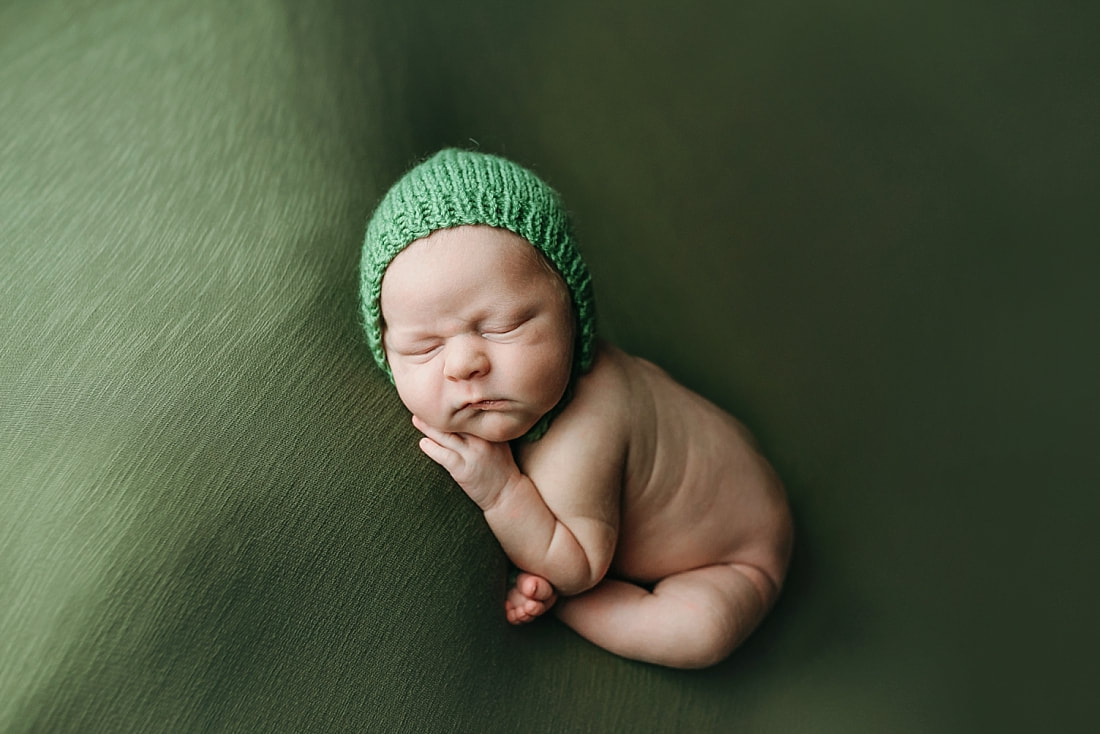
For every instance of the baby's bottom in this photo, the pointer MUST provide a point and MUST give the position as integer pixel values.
(690, 620)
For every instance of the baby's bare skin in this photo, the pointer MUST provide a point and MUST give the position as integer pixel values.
(702, 515)
(645, 507)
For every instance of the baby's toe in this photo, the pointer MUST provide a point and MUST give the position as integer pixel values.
(534, 587)
(518, 615)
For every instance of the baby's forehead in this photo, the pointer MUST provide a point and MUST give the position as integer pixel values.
(504, 253)
(476, 277)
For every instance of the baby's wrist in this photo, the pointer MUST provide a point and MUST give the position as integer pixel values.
(511, 485)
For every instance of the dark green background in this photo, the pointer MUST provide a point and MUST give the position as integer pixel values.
(867, 229)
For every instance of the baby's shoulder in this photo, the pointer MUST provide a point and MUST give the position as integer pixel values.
(588, 442)
(610, 387)
(600, 410)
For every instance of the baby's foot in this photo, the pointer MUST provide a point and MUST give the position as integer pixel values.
(529, 598)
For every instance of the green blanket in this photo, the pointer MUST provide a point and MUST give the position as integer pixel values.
(861, 228)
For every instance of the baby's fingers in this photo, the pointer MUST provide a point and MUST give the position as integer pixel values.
(441, 455)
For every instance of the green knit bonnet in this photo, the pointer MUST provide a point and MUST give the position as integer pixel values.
(456, 187)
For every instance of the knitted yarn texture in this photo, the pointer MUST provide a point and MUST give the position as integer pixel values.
(458, 187)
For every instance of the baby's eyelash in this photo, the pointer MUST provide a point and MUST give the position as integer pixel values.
(508, 328)
(417, 351)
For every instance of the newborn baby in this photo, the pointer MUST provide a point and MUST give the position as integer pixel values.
(641, 512)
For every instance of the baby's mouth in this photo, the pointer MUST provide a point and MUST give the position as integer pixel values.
(486, 405)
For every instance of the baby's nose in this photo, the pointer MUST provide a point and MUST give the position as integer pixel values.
(465, 359)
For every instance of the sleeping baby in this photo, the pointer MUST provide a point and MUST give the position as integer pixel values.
(638, 511)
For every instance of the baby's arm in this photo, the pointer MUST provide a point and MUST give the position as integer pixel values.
(567, 536)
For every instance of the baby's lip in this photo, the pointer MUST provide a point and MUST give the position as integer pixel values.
(485, 404)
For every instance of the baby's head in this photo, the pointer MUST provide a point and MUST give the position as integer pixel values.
(475, 299)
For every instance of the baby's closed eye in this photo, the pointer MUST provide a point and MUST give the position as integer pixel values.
(417, 349)
(503, 330)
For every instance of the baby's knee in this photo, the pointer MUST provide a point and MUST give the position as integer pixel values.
(707, 637)
(715, 617)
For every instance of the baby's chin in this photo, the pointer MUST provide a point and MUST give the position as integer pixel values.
(496, 427)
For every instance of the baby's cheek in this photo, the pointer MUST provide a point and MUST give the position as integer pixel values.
(553, 367)
(410, 389)
(430, 397)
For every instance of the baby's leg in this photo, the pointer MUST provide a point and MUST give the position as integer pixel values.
(690, 620)
(530, 597)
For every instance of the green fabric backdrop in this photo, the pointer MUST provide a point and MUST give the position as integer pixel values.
(865, 228)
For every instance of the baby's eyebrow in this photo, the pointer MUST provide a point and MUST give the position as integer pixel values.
(407, 336)
(413, 337)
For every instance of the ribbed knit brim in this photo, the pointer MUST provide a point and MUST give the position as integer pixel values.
(457, 187)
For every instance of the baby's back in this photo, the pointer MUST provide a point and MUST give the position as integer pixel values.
(695, 489)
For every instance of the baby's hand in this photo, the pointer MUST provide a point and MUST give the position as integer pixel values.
(482, 468)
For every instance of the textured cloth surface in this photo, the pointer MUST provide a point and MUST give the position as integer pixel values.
(864, 228)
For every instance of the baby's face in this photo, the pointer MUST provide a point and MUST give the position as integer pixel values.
(478, 332)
